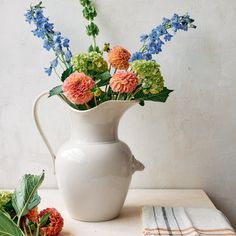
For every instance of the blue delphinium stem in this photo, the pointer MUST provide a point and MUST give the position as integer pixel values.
(52, 40)
(152, 42)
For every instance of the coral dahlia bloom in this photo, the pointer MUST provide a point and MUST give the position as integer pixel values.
(77, 88)
(33, 215)
(123, 82)
(118, 57)
(55, 222)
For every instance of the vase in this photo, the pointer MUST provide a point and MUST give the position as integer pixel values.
(94, 167)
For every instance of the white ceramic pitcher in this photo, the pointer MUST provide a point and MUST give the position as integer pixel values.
(93, 168)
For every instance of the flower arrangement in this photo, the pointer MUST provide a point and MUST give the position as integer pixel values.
(101, 74)
(19, 215)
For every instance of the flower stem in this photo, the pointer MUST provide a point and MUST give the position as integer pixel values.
(37, 230)
(94, 43)
(133, 94)
(30, 232)
(95, 100)
(87, 106)
(55, 71)
(117, 98)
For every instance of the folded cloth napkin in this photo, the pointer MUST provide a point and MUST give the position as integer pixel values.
(184, 221)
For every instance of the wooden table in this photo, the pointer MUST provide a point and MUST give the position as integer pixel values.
(129, 221)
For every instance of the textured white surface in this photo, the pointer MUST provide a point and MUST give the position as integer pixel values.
(129, 221)
(189, 142)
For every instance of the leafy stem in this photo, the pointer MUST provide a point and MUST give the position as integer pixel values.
(89, 13)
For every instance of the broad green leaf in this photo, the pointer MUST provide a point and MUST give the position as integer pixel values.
(8, 227)
(103, 79)
(25, 196)
(55, 91)
(160, 97)
(66, 73)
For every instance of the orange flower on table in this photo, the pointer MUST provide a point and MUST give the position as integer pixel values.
(56, 222)
(123, 82)
(77, 88)
(33, 215)
(119, 57)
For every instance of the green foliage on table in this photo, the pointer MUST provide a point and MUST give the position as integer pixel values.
(25, 197)
(8, 227)
(14, 206)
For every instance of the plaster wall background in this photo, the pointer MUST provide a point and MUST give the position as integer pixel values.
(188, 142)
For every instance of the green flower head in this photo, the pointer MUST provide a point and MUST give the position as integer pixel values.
(149, 75)
(5, 197)
(91, 63)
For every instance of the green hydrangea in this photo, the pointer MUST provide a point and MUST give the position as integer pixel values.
(5, 197)
(149, 75)
(91, 63)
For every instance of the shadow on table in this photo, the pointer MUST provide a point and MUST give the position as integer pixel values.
(66, 233)
(129, 212)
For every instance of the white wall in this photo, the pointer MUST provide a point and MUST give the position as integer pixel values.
(189, 142)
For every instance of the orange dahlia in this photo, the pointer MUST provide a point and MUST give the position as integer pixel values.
(123, 82)
(55, 222)
(118, 57)
(33, 215)
(77, 88)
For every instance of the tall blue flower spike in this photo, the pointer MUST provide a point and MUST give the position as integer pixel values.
(153, 42)
(52, 40)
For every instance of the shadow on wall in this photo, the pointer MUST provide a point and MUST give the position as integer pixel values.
(226, 205)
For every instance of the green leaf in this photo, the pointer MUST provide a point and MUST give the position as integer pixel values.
(55, 91)
(90, 49)
(92, 29)
(141, 103)
(8, 227)
(44, 219)
(103, 79)
(66, 73)
(160, 97)
(25, 196)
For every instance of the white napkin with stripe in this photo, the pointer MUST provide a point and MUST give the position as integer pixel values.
(184, 221)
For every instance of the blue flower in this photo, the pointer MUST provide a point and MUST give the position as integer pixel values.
(66, 43)
(165, 21)
(28, 16)
(147, 56)
(48, 71)
(168, 37)
(54, 63)
(143, 37)
(38, 33)
(68, 55)
(47, 45)
(154, 40)
(57, 37)
(58, 48)
(161, 30)
(51, 39)
(48, 26)
(136, 56)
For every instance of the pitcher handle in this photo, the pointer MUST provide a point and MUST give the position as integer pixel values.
(39, 127)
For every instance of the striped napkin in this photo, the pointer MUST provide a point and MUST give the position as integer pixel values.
(184, 221)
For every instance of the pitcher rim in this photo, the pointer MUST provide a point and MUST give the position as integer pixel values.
(102, 104)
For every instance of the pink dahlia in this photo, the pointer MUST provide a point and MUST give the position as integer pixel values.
(55, 222)
(77, 88)
(123, 82)
(118, 57)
